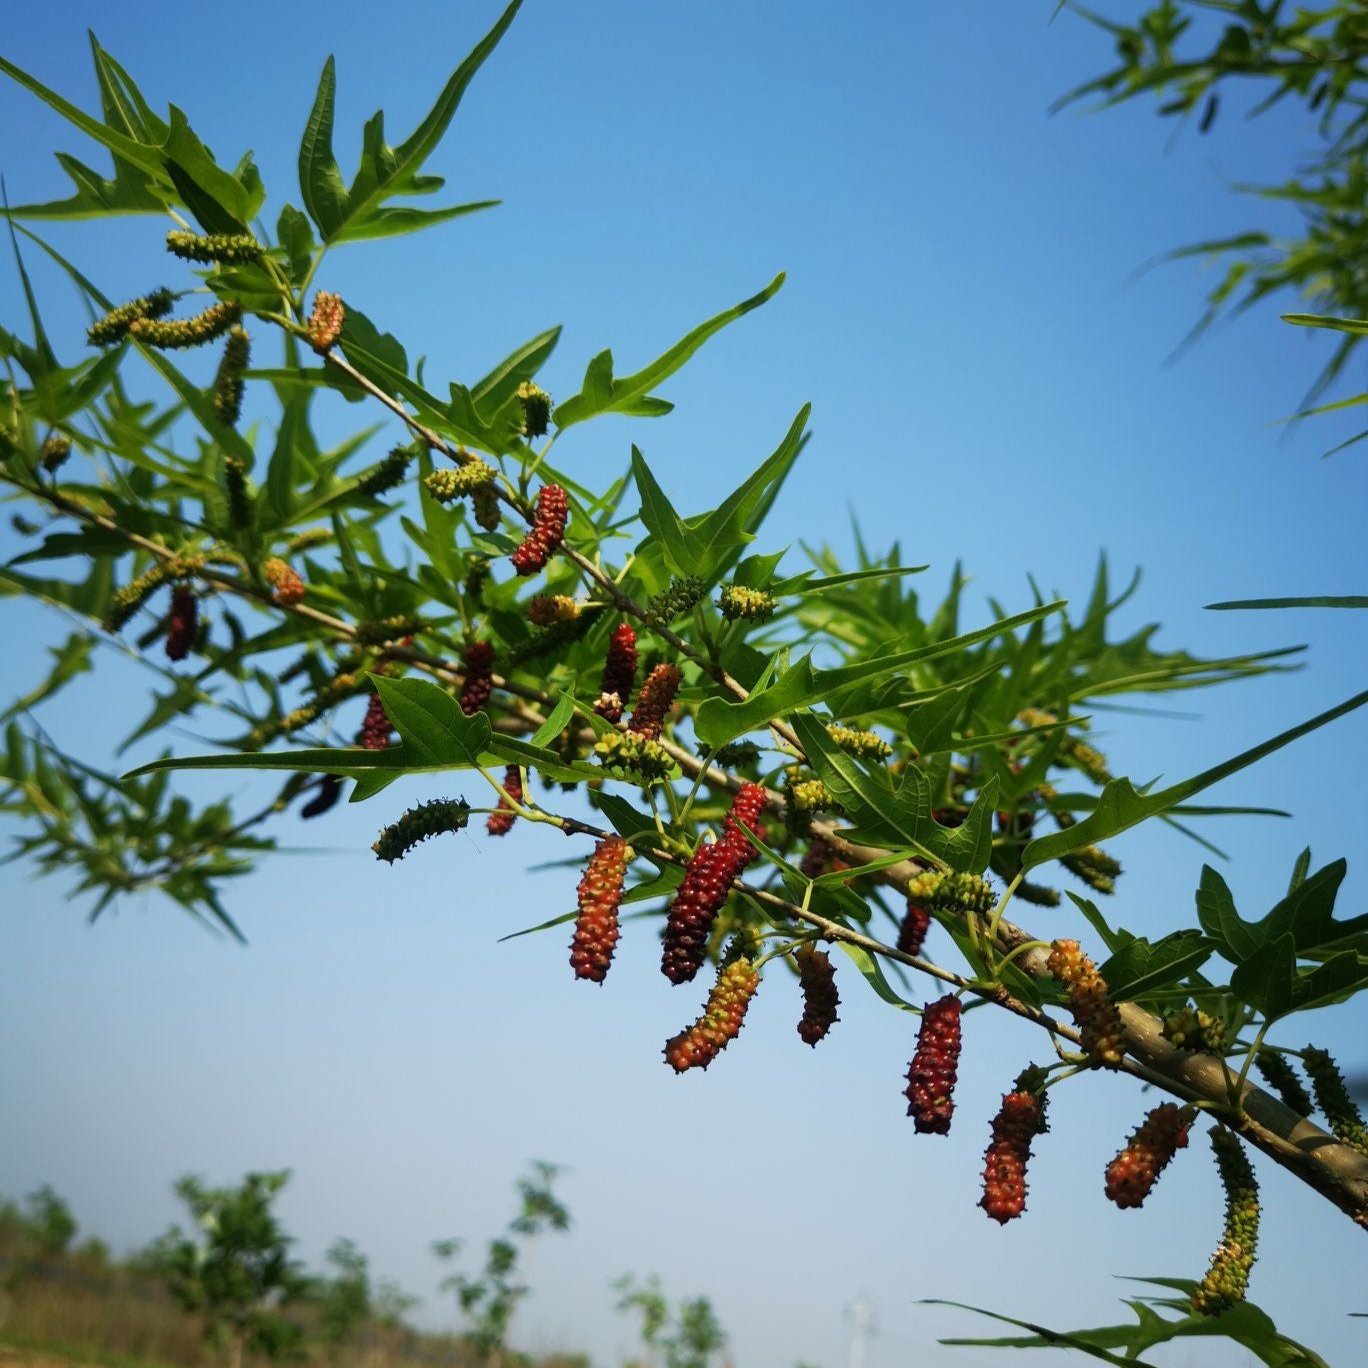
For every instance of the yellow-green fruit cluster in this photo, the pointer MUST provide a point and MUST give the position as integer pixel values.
(114, 326)
(175, 334)
(863, 745)
(640, 757)
(228, 384)
(417, 824)
(1228, 1277)
(1191, 1029)
(737, 602)
(954, 893)
(536, 407)
(227, 249)
(455, 482)
(1099, 1022)
(287, 586)
(133, 595)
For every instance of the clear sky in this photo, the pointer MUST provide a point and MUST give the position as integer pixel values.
(987, 385)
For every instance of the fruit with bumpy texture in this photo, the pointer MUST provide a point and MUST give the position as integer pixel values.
(479, 683)
(182, 624)
(931, 1076)
(1228, 1277)
(596, 922)
(547, 532)
(619, 673)
(1098, 1021)
(1282, 1078)
(916, 923)
(325, 321)
(655, 700)
(225, 249)
(228, 384)
(376, 728)
(418, 824)
(1332, 1097)
(1131, 1176)
(1020, 1118)
(698, 1045)
(739, 603)
(501, 822)
(175, 334)
(820, 998)
(536, 407)
(113, 327)
(287, 586)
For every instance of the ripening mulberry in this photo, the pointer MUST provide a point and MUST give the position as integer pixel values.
(700, 896)
(1131, 1176)
(916, 923)
(417, 824)
(55, 451)
(636, 757)
(182, 624)
(228, 384)
(1282, 1078)
(698, 1045)
(547, 531)
(820, 998)
(546, 610)
(596, 924)
(1332, 1097)
(501, 822)
(325, 322)
(325, 797)
(376, 728)
(934, 1068)
(1098, 1020)
(1020, 1118)
(479, 681)
(287, 588)
(484, 501)
(386, 473)
(536, 407)
(1226, 1280)
(114, 326)
(737, 602)
(227, 249)
(174, 334)
(619, 674)
(654, 701)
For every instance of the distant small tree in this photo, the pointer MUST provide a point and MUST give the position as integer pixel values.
(236, 1269)
(688, 1338)
(346, 1296)
(51, 1226)
(488, 1299)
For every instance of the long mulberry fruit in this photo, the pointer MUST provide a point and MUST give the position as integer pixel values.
(596, 924)
(619, 674)
(1131, 1176)
(227, 249)
(820, 998)
(1332, 1097)
(1099, 1022)
(654, 701)
(228, 383)
(417, 824)
(114, 326)
(484, 502)
(1282, 1078)
(1020, 1118)
(182, 624)
(863, 745)
(1228, 1277)
(547, 531)
(479, 681)
(745, 811)
(376, 728)
(174, 334)
(934, 1068)
(916, 923)
(698, 1045)
(287, 587)
(386, 473)
(501, 822)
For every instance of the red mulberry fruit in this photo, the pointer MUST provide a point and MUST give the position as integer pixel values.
(547, 532)
(1019, 1120)
(820, 998)
(1098, 1020)
(376, 728)
(287, 587)
(182, 624)
(745, 811)
(654, 701)
(1131, 1176)
(501, 822)
(600, 893)
(619, 674)
(932, 1073)
(479, 668)
(698, 1045)
(916, 923)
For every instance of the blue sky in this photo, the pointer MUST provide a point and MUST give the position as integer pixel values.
(988, 383)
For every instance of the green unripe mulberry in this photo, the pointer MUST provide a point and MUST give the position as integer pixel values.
(536, 407)
(737, 602)
(863, 745)
(1332, 1097)
(228, 381)
(447, 485)
(417, 824)
(225, 249)
(674, 601)
(385, 474)
(114, 326)
(1282, 1078)
(635, 756)
(187, 332)
(1228, 1277)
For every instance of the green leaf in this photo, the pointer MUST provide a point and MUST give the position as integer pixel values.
(1142, 967)
(1320, 601)
(1266, 979)
(556, 722)
(320, 177)
(873, 974)
(430, 722)
(719, 721)
(662, 522)
(1121, 806)
(601, 393)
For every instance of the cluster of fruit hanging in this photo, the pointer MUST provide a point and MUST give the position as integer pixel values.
(635, 750)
